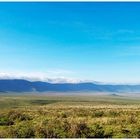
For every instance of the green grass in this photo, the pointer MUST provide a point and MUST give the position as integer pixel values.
(103, 116)
(10, 101)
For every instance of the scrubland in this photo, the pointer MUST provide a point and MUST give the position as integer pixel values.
(69, 117)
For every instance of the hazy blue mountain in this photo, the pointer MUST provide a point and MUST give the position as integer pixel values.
(15, 85)
(19, 85)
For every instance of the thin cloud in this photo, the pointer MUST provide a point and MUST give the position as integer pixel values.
(50, 76)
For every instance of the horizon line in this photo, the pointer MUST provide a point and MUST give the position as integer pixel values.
(61, 81)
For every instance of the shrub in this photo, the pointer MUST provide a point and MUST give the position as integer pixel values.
(136, 132)
(64, 115)
(113, 113)
(22, 130)
(96, 131)
(57, 128)
(40, 132)
(5, 121)
(98, 114)
(16, 115)
(82, 130)
(52, 128)
(108, 132)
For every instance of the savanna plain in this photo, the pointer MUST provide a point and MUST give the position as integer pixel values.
(69, 116)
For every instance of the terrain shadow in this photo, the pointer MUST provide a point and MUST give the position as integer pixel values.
(43, 102)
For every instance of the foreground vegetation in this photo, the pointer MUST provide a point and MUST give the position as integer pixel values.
(69, 117)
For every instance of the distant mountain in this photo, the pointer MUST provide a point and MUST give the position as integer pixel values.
(15, 86)
(19, 85)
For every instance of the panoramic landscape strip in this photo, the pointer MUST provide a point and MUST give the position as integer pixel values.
(69, 70)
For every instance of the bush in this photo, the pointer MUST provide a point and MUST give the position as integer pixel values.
(98, 114)
(5, 121)
(53, 128)
(57, 128)
(82, 130)
(16, 115)
(22, 130)
(108, 132)
(136, 132)
(40, 132)
(64, 115)
(113, 114)
(96, 131)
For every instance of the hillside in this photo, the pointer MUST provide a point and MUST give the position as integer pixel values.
(20, 85)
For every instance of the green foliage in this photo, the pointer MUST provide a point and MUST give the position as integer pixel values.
(22, 130)
(5, 121)
(96, 131)
(98, 114)
(113, 113)
(70, 119)
(108, 132)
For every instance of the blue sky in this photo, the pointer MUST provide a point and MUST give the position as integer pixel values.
(92, 41)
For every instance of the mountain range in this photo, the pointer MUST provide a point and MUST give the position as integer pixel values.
(20, 85)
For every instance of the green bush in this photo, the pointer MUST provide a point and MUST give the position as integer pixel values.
(64, 115)
(108, 132)
(98, 114)
(136, 131)
(22, 130)
(113, 113)
(5, 121)
(96, 131)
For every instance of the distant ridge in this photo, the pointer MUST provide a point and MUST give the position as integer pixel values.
(20, 85)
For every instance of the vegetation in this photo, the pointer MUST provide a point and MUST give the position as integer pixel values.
(69, 117)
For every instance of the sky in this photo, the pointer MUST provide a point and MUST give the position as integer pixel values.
(71, 40)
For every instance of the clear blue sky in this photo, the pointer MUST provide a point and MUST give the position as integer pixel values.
(95, 41)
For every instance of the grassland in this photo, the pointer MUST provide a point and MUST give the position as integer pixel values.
(102, 116)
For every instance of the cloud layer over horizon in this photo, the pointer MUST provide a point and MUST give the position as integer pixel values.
(36, 76)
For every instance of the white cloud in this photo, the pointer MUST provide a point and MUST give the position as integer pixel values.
(40, 76)
(51, 76)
